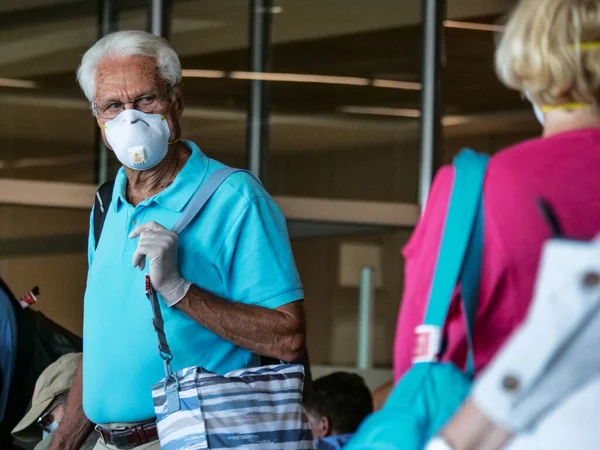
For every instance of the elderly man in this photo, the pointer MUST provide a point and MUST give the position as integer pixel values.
(228, 283)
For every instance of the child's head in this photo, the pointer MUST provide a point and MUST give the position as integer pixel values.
(339, 402)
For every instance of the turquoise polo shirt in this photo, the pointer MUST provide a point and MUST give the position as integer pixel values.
(237, 248)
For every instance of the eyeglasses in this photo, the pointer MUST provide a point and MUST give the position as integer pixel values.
(46, 419)
(149, 104)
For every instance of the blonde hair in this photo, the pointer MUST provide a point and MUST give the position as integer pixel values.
(541, 51)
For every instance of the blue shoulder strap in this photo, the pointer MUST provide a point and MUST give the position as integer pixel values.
(469, 282)
(191, 210)
(202, 195)
(461, 248)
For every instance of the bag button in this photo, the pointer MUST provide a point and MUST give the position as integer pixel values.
(591, 279)
(510, 383)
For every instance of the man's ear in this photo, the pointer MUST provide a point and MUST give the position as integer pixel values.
(179, 104)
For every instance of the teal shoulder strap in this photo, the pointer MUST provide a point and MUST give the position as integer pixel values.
(469, 282)
(461, 248)
(202, 195)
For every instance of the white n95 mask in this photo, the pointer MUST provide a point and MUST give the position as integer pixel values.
(539, 115)
(140, 141)
(51, 428)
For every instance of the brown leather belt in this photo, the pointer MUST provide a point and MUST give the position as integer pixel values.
(129, 437)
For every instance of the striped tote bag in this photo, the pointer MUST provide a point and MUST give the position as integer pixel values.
(251, 409)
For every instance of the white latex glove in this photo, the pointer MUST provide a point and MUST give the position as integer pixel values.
(555, 351)
(159, 245)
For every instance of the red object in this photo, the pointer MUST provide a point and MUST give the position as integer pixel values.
(148, 285)
(427, 343)
(563, 169)
(28, 300)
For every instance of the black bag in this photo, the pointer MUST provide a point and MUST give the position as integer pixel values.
(101, 204)
(40, 342)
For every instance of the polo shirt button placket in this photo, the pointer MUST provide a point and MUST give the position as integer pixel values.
(132, 223)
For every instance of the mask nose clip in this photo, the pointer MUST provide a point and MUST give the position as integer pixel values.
(131, 116)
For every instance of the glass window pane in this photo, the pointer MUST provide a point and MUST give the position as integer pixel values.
(481, 113)
(211, 39)
(344, 118)
(45, 130)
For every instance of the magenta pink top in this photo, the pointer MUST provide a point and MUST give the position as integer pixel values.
(565, 170)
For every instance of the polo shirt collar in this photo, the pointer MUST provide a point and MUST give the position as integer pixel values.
(177, 195)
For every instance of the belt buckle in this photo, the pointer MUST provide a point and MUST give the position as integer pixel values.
(120, 438)
(428, 343)
(98, 429)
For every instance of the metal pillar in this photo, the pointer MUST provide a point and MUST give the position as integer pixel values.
(365, 317)
(159, 18)
(108, 22)
(109, 17)
(433, 12)
(257, 138)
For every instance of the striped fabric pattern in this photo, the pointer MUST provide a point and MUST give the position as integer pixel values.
(252, 409)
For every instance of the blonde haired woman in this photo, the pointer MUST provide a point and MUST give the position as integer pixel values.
(550, 51)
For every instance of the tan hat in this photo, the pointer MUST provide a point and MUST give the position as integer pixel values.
(53, 381)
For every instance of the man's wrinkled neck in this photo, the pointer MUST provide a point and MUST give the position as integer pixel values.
(142, 184)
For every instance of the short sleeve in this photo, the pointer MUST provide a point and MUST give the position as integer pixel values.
(255, 260)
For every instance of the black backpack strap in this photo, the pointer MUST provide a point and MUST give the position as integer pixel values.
(101, 204)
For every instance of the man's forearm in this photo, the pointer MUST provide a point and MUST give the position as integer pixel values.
(74, 427)
(279, 333)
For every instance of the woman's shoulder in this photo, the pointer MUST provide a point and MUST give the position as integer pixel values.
(562, 145)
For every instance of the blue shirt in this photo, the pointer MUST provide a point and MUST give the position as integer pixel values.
(8, 350)
(237, 248)
(333, 442)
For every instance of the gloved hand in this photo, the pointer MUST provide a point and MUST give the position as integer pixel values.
(554, 352)
(159, 245)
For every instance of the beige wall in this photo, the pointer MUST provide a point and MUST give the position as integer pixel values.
(332, 310)
(60, 276)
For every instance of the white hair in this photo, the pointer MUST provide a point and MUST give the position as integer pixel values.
(128, 43)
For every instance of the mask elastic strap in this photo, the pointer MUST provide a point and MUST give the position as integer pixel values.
(164, 117)
(565, 106)
(586, 46)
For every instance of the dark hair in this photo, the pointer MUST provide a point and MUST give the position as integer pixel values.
(343, 398)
